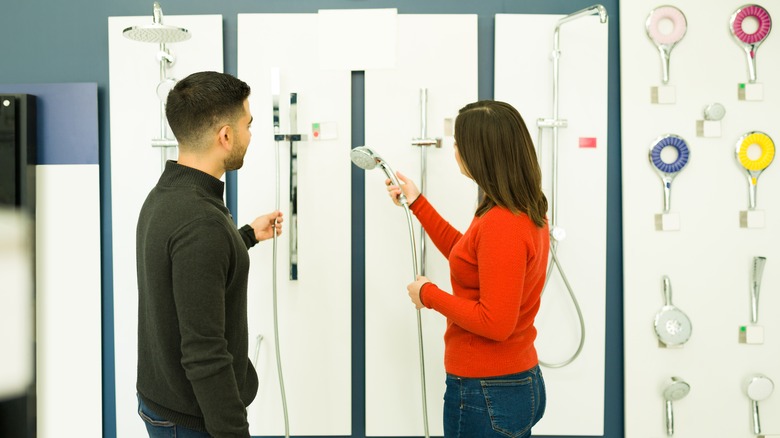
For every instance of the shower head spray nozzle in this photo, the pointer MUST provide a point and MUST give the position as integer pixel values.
(157, 32)
(676, 389)
(366, 159)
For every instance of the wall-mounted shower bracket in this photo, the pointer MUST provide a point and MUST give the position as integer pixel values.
(427, 142)
(552, 123)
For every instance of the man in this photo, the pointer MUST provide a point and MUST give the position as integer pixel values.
(194, 374)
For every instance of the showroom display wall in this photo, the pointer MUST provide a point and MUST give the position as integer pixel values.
(701, 251)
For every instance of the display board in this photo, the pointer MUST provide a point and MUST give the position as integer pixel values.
(134, 71)
(437, 53)
(706, 243)
(278, 54)
(524, 78)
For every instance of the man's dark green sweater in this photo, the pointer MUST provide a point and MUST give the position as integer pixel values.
(193, 264)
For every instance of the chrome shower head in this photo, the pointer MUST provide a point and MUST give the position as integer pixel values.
(157, 32)
(364, 158)
(676, 389)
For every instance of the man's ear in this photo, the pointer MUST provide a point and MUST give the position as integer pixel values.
(226, 137)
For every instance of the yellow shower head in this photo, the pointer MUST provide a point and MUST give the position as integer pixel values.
(767, 151)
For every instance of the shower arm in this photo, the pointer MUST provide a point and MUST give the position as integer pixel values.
(555, 122)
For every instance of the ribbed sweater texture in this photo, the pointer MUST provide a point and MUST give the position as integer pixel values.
(192, 266)
(497, 271)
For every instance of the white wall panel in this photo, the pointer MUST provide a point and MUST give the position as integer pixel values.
(68, 299)
(709, 259)
(136, 167)
(523, 78)
(315, 310)
(437, 52)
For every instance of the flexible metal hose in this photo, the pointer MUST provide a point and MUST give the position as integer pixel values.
(276, 315)
(419, 323)
(556, 262)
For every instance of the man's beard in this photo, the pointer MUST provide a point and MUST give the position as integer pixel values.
(235, 160)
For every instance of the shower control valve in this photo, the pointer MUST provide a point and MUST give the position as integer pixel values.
(558, 233)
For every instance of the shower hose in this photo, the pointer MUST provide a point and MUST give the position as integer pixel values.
(554, 262)
(275, 306)
(419, 323)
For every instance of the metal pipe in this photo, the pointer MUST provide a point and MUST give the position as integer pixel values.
(423, 167)
(554, 124)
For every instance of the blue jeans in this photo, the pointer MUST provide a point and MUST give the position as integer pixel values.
(503, 406)
(158, 427)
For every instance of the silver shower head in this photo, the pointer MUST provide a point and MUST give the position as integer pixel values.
(676, 389)
(157, 32)
(364, 158)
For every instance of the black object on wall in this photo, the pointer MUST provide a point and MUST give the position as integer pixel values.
(18, 139)
(17, 151)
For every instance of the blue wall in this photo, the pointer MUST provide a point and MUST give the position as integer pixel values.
(49, 41)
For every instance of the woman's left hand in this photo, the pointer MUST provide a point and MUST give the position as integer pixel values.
(414, 290)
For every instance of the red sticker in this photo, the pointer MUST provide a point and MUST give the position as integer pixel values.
(587, 142)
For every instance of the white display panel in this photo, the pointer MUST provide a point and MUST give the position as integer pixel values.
(709, 259)
(315, 310)
(68, 331)
(134, 72)
(523, 78)
(16, 303)
(439, 53)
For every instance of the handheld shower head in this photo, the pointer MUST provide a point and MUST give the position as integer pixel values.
(758, 388)
(675, 389)
(366, 159)
(157, 32)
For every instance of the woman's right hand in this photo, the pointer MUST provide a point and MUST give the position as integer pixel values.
(410, 190)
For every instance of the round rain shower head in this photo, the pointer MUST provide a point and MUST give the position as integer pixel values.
(364, 158)
(157, 32)
(676, 389)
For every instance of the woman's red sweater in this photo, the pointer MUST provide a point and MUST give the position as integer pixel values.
(497, 269)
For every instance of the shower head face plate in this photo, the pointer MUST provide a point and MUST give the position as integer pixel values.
(677, 144)
(364, 158)
(157, 33)
(676, 389)
(664, 15)
(672, 326)
(754, 12)
(759, 387)
(714, 111)
(746, 147)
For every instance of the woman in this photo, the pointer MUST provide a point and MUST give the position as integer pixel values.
(497, 267)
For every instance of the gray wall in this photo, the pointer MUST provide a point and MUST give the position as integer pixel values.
(49, 41)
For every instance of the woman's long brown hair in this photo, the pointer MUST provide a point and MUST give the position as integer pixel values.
(498, 153)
